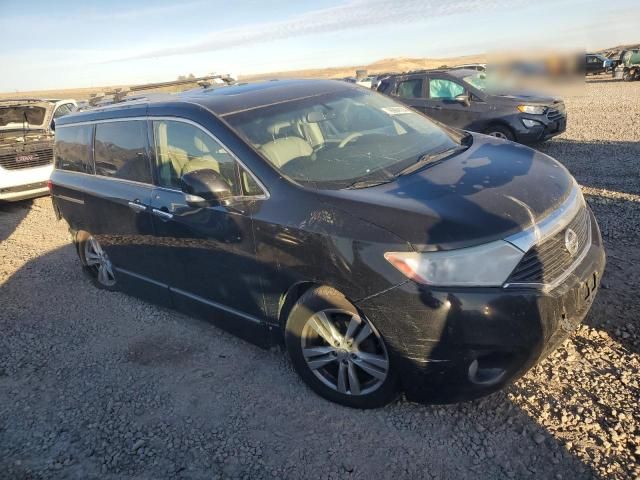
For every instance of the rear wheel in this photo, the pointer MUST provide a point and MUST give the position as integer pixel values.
(500, 131)
(338, 352)
(96, 261)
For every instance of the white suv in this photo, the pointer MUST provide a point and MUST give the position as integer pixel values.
(26, 145)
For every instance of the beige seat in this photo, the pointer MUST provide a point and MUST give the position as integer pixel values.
(204, 161)
(282, 150)
(175, 162)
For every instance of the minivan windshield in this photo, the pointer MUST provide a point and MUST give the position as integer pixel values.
(350, 138)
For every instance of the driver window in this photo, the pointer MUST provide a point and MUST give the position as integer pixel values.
(63, 109)
(442, 89)
(182, 148)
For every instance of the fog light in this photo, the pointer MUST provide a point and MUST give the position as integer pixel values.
(490, 368)
(530, 123)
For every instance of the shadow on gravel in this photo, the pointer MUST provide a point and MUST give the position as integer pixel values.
(11, 214)
(602, 164)
(89, 388)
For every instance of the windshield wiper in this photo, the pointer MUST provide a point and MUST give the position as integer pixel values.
(430, 158)
(368, 183)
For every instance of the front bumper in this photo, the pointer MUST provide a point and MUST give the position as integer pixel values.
(544, 130)
(451, 345)
(25, 183)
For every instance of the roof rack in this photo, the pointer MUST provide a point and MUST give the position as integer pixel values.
(118, 95)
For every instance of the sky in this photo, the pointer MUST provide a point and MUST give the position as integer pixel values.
(85, 43)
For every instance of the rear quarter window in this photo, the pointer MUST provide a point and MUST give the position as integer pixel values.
(120, 151)
(73, 148)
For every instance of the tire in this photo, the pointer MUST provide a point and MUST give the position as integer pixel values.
(356, 371)
(627, 76)
(95, 262)
(500, 131)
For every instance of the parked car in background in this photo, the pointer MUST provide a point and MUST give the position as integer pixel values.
(628, 67)
(467, 99)
(596, 63)
(367, 82)
(26, 145)
(386, 251)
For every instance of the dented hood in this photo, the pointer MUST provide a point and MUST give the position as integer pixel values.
(492, 190)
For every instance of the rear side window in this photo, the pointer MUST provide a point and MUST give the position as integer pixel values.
(410, 88)
(73, 148)
(120, 150)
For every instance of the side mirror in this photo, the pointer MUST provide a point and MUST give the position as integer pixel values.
(204, 188)
(464, 99)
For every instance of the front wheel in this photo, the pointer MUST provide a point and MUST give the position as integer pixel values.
(500, 131)
(338, 352)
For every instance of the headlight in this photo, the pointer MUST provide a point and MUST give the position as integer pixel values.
(532, 109)
(487, 265)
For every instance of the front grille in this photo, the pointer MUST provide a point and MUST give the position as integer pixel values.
(556, 111)
(27, 159)
(546, 262)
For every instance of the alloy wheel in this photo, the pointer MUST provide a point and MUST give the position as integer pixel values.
(97, 259)
(345, 352)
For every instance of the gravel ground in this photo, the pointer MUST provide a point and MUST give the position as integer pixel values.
(96, 384)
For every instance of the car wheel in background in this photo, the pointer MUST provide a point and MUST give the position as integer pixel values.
(500, 131)
(338, 352)
(95, 261)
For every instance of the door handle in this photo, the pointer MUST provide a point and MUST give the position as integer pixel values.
(162, 214)
(435, 107)
(137, 207)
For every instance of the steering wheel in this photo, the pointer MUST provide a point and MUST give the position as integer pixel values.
(350, 138)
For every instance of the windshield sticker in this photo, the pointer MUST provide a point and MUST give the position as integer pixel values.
(396, 110)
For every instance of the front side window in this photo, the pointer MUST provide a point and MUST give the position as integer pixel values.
(442, 89)
(182, 148)
(410, 88)
(63, 109)
(73, 148)
(337, 139)
(120, 150)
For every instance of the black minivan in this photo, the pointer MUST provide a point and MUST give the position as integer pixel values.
(388, 253)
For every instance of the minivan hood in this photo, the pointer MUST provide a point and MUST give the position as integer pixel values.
(493, 189)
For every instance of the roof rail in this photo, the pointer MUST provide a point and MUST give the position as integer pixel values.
(118, 95)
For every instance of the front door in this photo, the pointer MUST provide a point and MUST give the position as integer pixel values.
(441, 103)
(210, 252)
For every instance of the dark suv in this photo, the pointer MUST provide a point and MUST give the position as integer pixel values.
(467, 99)
(386, 251)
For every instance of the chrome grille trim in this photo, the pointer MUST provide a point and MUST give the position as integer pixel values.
(551, 224)
(546, 265)
(44, 156)
(542, 232)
